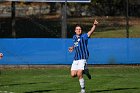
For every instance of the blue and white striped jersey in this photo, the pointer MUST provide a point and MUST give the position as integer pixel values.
(80, 46)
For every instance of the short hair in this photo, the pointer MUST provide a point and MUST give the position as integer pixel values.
(77, 25)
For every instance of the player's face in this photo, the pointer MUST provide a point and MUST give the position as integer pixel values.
(78, 30)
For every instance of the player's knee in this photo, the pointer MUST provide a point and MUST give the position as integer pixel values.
(73, 75)
(80, 74)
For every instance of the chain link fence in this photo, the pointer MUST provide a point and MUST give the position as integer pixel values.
(45, 20)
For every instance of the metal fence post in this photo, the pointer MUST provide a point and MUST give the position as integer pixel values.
(64, 20)
(127, 18)
(13, 8)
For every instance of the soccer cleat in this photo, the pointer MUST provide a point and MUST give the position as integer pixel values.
(86, 71)
(83, 91)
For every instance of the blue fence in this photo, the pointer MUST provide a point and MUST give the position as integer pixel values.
(55, 51)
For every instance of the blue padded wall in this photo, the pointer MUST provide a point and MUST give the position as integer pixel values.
(55, 51)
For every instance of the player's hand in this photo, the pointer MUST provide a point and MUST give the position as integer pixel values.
(95, 22)
(1, 55)
(70, 49)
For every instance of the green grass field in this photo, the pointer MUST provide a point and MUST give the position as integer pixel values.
(118, 33)
(114, 79)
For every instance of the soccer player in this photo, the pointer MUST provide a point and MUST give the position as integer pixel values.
(79, 65)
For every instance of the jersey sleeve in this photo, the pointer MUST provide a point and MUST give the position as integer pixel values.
(85, 36)
(74, 40)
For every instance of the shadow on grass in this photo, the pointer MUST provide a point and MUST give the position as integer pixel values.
(42, 91)
(23, 84)
(39, 91)
(109, 90)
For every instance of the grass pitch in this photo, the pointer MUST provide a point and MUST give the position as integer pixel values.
(114, 79)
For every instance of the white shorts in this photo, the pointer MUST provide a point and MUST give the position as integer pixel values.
(79, 64)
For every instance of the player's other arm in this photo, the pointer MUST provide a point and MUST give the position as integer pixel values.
(93, 28)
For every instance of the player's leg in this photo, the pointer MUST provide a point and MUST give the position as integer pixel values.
(74, 68)
(81, 65)
(73, 73)
(86, 71)
(81, 80)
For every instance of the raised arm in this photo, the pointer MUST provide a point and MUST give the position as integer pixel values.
(93, 28)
